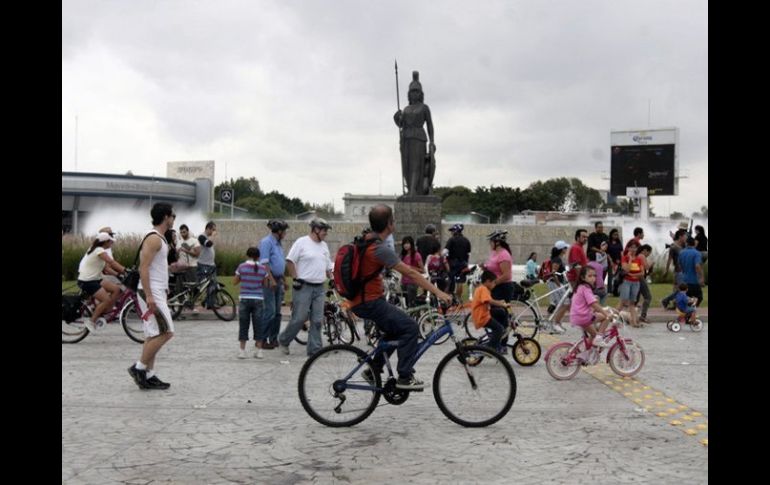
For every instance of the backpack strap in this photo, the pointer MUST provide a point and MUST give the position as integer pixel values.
(136, 259)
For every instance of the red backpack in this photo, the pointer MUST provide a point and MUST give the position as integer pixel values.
(545, 270)
(348, 267)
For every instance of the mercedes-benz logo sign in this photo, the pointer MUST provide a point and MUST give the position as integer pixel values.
(227, 195)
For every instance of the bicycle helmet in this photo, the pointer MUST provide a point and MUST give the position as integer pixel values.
(457, 228)
(319, 223)
(497, 235)
(430, 229)
(276, 225)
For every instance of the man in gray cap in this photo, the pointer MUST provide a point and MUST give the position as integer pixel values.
(309, 265)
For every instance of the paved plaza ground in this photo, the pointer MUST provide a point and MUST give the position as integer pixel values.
(226, 420)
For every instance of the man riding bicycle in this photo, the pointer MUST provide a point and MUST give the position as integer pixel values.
(370, 303)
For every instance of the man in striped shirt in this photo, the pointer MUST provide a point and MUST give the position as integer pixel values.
(251, 276)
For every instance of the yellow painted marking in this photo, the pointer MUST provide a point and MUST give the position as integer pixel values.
(666, 406)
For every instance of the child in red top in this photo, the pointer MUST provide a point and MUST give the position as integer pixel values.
(482, 317)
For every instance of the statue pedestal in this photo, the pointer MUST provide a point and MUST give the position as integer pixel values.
(413, 213)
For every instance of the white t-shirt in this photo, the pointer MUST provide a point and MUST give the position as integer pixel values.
(91, 266)
(311, 259)
(158, 265)
(189, 243)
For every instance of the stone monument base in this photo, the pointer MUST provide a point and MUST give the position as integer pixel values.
(413, 213)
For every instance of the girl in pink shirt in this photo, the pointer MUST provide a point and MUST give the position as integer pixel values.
(585, 309)
(412, 258)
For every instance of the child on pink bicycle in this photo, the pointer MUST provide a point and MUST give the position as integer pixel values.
(585, 309)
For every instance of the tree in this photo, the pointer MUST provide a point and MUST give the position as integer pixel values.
(676, 215)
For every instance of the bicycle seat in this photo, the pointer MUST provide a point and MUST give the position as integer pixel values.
(527, 283)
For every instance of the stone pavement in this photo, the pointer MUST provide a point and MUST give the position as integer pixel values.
(226, 420)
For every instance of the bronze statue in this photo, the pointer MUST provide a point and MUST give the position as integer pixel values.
(418, 165)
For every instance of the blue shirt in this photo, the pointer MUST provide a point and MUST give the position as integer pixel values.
(688, 258)
(271, 253)
(252, 278)
(681, 302)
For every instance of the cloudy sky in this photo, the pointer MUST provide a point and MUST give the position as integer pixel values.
(301, 94)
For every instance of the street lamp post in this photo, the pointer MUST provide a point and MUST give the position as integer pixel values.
(481, 215)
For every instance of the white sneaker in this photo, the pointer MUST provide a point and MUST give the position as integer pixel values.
(258, 354)
(100, 323)
(284, 348)
(89, 325)
(242, 354)
(558, 328)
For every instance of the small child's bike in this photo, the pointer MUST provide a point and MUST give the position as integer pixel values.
(681, 321)
(625, 357)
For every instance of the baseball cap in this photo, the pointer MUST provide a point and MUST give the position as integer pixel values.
(104, 236)
(560, 244)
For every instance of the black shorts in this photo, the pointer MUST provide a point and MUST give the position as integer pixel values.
(90, 287)
(455, 271)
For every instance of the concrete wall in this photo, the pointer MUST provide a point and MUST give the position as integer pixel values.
(522, 239)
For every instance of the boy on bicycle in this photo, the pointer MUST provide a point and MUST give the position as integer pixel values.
(480, 309)
(685, 304)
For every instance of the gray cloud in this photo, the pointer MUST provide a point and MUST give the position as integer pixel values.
(301, 93)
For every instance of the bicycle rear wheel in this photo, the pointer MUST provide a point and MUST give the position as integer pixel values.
(316, 387)
(131, 320)
(177, 302)
(558, 363)
(478, 395)
(75, 331)
(224, 305)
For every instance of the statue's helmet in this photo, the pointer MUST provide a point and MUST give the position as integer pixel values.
(415, 84)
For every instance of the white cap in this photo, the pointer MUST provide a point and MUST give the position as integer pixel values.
(103, 236)
(560, 244)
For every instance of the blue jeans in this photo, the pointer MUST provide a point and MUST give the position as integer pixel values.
(205, 270)
(678, 278)
(250, 312)
(271, 313)
(307, 301)
(396, 325)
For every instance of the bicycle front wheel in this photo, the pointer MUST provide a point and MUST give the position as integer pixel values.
(626, 366)
(478, 395)
(131, 320)
(224, 305)
(526, 351)
(301, 337)
(429, 322)
(344, 407)
(524, 318)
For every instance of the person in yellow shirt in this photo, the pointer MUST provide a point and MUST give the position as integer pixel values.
(481, 309)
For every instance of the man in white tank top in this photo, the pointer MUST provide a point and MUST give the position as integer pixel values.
(153, 274)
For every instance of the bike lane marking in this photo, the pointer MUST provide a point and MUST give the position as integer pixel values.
(691, 422)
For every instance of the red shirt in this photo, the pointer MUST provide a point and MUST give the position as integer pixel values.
(576, 256)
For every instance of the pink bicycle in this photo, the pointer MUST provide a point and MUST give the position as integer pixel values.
(76, 307)
(625, 357)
